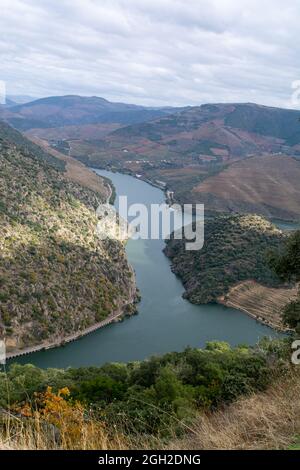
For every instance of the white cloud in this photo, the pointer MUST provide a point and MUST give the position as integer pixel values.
(155, 52)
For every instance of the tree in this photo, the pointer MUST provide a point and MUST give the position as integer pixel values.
(287, 266)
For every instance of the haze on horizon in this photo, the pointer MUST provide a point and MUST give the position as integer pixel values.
(153, 52)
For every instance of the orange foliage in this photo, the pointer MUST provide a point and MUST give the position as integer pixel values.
(72, 421)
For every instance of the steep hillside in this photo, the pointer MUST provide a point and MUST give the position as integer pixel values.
(77, 172)
(268, 185)
(57, 111)
(235, 250)
(19, 142)
(266, 304)
(56, 277)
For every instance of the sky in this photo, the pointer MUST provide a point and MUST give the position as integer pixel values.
(153, 52)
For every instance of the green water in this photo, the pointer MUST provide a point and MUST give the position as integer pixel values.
(165, 322)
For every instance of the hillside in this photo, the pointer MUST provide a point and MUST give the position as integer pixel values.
(70, 110)
(268, 420)
(235, 250)
(56, 277)
(17, 140)
(184, 149)
(208, 133)
(263, 303)
(216, 398)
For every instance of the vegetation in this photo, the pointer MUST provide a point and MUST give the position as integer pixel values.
(264, 420)
(235, 249)
(215, 145)
(156, 397)
(268, 420)
(56, 276)
(27, 147)
(287, 266)
(216, 398)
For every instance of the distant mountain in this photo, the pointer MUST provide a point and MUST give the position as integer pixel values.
(14, 100)
(181, 151)
(58, 111)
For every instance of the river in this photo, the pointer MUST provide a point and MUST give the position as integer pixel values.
(165, 322)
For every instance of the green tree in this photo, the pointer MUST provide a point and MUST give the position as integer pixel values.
(287, 266)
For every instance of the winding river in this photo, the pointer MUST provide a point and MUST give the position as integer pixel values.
(165, 322)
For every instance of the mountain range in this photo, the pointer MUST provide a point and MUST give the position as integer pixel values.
(239, 157)
(57, 111)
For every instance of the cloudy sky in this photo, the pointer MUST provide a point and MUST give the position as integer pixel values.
(153, 52)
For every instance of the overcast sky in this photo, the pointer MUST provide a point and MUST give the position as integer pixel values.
(153, 52)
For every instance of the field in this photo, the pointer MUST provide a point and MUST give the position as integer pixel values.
(263, 303)
(267, 185)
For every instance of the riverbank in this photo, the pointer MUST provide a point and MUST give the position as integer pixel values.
(265, 304)
(118, 315)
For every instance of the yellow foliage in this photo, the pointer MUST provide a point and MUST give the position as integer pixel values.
(77, 428)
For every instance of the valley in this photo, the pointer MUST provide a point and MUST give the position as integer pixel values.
(228, 156)
(166, 321)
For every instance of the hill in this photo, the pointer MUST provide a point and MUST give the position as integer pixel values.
(235, 252)
(184, 149)
(232, 157)
(267, 185)
(56, 277)
(70, 110)
(15, 139)
(214, 133)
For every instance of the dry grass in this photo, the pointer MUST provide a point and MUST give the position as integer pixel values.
(34, 435)
(51, 422)
(269, 420)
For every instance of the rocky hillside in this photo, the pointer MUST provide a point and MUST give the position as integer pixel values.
(235, 250)
(56, 276)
